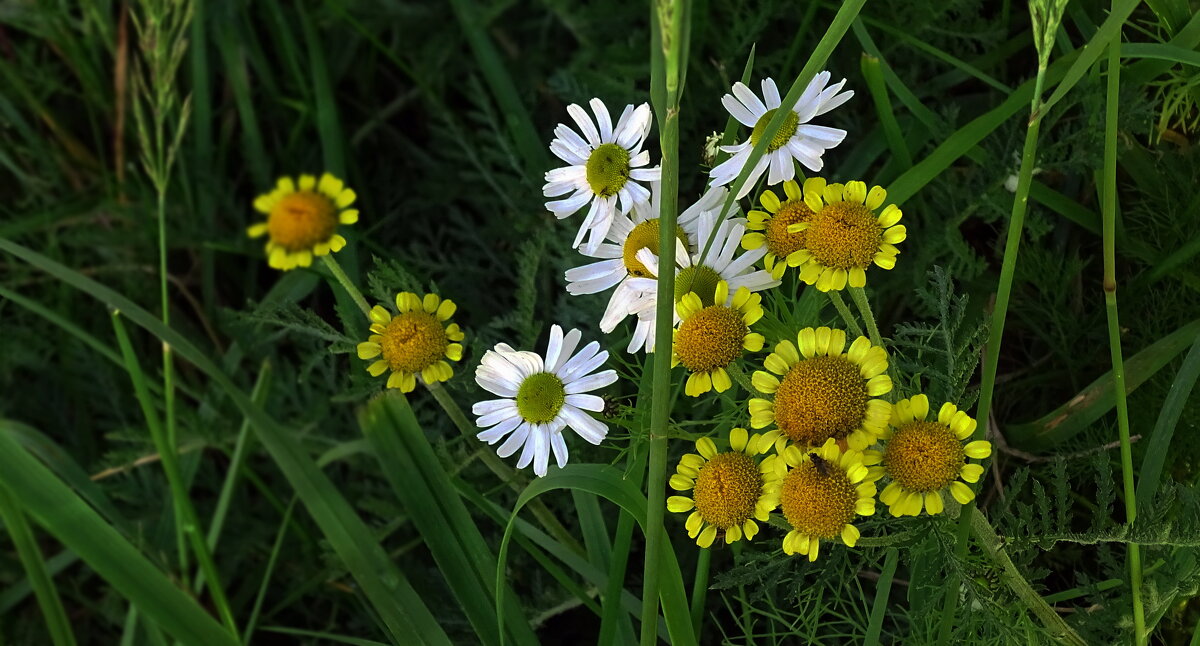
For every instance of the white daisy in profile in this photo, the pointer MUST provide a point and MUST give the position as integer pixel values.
(629, 235)
(796, 139)
(540, 397)
(605, 165)
(698, 272)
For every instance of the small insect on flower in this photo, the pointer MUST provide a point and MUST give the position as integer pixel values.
(821, 393)
(413, 342)
(303, 216)
(772, 227)
(541, 396)
(730, 490)
(605, 167)
(796, 139)
(821, 492)
(924, 458)
(711, 338)
(843, 236)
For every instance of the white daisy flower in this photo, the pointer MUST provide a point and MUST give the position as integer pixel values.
(606, 164)
(541, 397)
(628, 235)
(796, 139)
(697, 272)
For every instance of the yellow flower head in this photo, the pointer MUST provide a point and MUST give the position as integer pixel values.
(844, 235)
(773, 227)
(302, 219)
(414, 342)
(730, 490)
(711, 338)
(823, 393)
(923, 458)
(821, 493)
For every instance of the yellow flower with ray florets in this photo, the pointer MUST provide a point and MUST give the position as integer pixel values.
(773, 225)
(844, 236)
(413, 342)
(818, 392)
(821, 492)
(923, 457)
(303, 216)
(729, 490)
(709, 339)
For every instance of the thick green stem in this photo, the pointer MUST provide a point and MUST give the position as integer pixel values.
(859, 296)
(346, 283)
(700, 587)
(1109, 214)
(1016, 227)
(839, 304)
(668, 24)
(739, 376)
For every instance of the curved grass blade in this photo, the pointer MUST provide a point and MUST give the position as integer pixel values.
(1164, 427)
(57, 623)
(77, 526)
(398, 604)
(609, 483)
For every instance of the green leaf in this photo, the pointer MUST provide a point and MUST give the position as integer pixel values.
(1091, 52)
(1097, 399)
(1164, 428)
(398, 604)
(55, 616)
(72, 521)
(438, 513)
(609, 483)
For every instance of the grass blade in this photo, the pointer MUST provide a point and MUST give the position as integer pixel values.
(57, 623)
(1164, 428)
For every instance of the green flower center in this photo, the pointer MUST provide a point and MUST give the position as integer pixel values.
(645, 236)
(540, 397)
(700, 279)
(790, 123)
(607, 169)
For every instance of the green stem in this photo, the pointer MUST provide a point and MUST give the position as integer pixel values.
(57, 623)
(739, 376)
(883, 589)
(187, 518)
(168, 368)
(859, 296)
(668, 52)
(700, 588)
(1016, 227)
(346, 283)
(839, 304)
(1109, 214)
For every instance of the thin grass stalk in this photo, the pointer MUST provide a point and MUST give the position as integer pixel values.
(1016, 227)
(839, 304)
(1109, 214)
(700, 587)
(57, 623)
(883, 589)
(187, 518)
(668, 26)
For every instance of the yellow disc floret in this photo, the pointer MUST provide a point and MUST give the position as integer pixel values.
(302, 219)
(712, 337)
(729, 491)
(644, 236)
(923, 457)
(782, 227)
(822, 393)
(844, 236)
(791, 121)
(413, 342)
(820, 492)
(607, 169)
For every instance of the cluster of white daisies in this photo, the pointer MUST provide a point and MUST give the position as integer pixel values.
(608, 172)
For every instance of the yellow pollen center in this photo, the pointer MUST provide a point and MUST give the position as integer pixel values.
(700, 279)
(790, 123)
(302, 219)
(844, 235)
(821, 398)
(779, 241)
(413, 341)
(923, 456)
(645, 236)
(727, 489)
(607, 169)
(711, 338)
(540, 397)
(815, 503)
